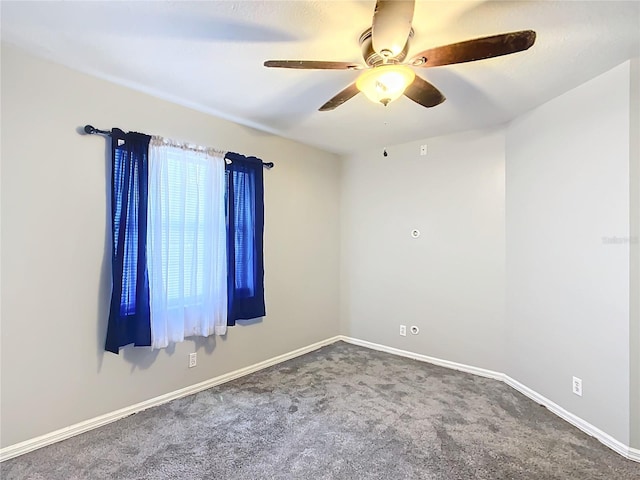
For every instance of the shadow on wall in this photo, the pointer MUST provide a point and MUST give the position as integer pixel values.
(143, 357)
(251, 321)
(104, 289)
(207, 343)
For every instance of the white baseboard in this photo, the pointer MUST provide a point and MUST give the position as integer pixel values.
(604, 438)
(67, 432)
(78, 428)
(481, 372)
(574, 420)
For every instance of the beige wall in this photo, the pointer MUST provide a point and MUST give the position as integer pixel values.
(634, 253)
(450, 281)
(568, 290)
(56, 255)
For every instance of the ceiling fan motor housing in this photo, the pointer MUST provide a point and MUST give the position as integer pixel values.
(372, 58)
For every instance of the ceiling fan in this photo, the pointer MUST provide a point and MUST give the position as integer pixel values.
(385, 46)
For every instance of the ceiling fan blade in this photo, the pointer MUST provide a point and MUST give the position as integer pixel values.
(422, 92)
(391, 26)
(476, 49)
(313, 65)
(346, 94)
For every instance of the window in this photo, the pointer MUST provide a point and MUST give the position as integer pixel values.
(185, 223)
(187, 241)
(187, 244)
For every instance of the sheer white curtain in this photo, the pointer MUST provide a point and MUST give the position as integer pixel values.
(186, 248)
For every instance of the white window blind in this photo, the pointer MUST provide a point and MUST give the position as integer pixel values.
(187, 242)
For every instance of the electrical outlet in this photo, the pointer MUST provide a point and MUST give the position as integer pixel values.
(193, 360)
(423, 150)
(403, 330)
(577, 386)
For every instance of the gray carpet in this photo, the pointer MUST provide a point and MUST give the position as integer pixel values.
(342, 412)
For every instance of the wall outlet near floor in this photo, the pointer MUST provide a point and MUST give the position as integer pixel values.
(193, 360)
(577, 386)
(403, 330)
(423, 150)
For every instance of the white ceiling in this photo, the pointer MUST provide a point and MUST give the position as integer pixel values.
(209, 55)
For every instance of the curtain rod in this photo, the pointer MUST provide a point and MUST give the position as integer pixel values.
(91, 130)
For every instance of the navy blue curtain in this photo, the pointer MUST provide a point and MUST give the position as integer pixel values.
(129, 316)
(245, 227)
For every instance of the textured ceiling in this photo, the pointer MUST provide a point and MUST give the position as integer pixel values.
(209, 55)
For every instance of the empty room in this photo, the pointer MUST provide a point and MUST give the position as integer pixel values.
(318, 239)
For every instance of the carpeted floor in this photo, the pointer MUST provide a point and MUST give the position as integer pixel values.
(342, 412)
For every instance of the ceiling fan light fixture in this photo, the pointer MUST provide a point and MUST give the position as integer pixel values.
(385, 83)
